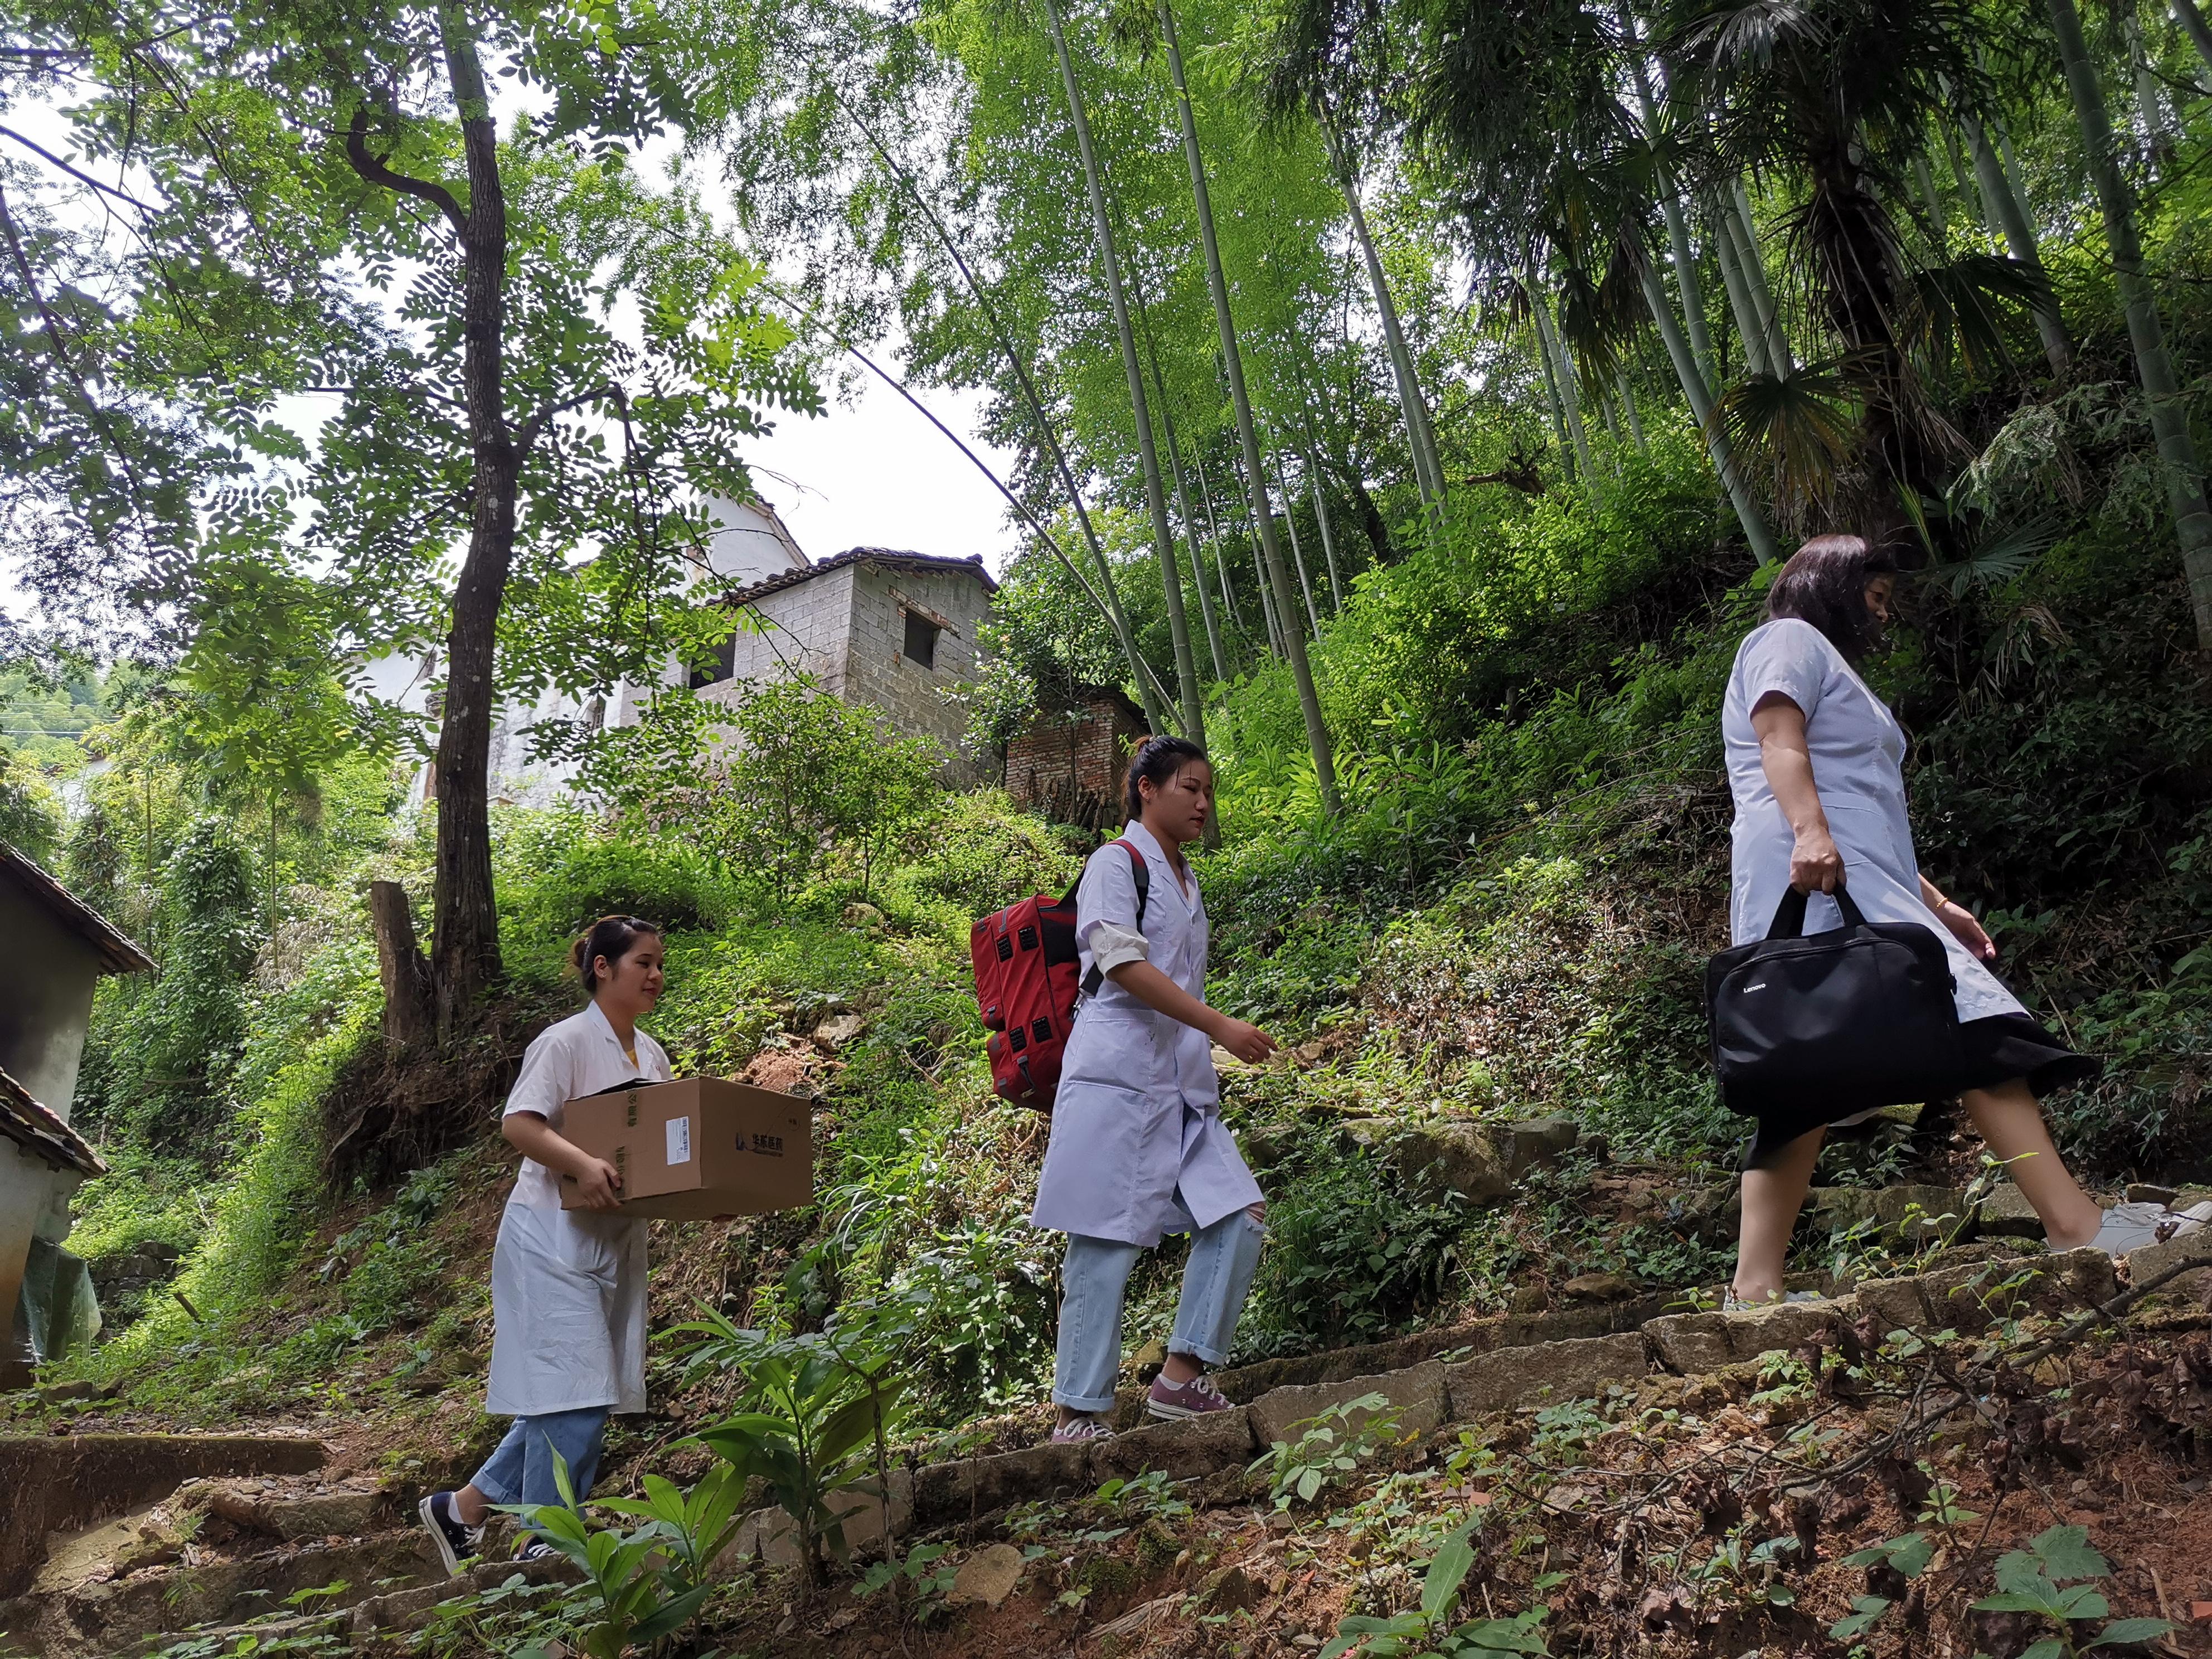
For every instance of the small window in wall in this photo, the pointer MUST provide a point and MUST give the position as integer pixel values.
(724, 666)
(920, 640)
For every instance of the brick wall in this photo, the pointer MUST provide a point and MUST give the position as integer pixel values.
(1072, 770)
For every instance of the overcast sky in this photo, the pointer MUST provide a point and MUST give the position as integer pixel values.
(880, 476)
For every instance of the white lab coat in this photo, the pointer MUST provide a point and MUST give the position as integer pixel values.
(1138, 1147)
(1857, 750)
(567, 1286)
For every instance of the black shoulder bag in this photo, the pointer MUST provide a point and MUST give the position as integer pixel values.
(1835, 1023)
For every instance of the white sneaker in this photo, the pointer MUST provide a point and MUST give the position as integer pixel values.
(1731, 1302)
(2128, 1227)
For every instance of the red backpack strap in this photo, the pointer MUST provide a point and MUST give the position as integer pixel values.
(1143, 872)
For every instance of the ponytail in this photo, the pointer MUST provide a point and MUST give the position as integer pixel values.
(611, 937)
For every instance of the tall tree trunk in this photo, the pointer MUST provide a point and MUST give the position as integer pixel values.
(1938, 220)
(1117, 617)
(2008, 217)
(1297, 553)
(1628, 407)
(1670, 204)
(408, 994)
(1555, 355)
(1197, 554)
(1194, 702)
(1327, 539)
(1317, 738)
(2150, 98)
(2191, 16)
(465, 957)
(1747, 514)
(1420, 437)
(2169, 415)
(1747, 328)
(1220, 559)
(1754, 282)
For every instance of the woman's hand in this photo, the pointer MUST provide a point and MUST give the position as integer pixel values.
(1815, 864)
(1247, 1041)
(1968, 931)
(596, 1181)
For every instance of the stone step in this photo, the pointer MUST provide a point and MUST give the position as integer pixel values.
(1429, 1394)
(119, 1615)
(64, 1483)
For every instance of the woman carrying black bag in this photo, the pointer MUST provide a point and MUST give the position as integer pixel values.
(1815, 763)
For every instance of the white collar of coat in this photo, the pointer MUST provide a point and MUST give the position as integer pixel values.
(1147, 843)
(595, 1015)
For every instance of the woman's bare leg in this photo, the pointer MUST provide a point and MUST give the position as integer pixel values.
(2012, 1124)
(1773, 1193)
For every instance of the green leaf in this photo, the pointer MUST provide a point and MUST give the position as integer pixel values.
(2019, 1601)
(1448, 1571)
(2132, 1630)
(1865, 1610)
(2065, 1553)
(673, 1615)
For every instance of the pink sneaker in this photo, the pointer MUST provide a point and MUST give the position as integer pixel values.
(1176, 1401)
(1076, 1430)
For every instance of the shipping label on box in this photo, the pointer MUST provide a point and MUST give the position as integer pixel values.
(696, 1148)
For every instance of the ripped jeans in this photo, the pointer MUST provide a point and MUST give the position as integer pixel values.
(1095, 1273)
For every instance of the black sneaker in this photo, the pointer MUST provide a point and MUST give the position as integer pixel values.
(456, 1542)
(536, 1550)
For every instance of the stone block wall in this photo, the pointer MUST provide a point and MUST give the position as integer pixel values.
(879, 673)
(1070, 768)
(807, 629)
(847, 627)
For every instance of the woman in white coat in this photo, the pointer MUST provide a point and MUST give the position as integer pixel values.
(1138, 1148)
(567, 1286)
(1815, 763)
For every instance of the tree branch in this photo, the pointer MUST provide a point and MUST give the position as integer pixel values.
(373, 168)
(536, 424)
(81, 177)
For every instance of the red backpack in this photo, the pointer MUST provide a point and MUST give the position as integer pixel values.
(1025, 984)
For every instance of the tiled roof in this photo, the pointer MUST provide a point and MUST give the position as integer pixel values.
(889, 558)
(118, 955)
(28, 1124)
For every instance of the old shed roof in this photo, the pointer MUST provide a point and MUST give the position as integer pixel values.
(918, 564)
(40, 1129)
(118, 955)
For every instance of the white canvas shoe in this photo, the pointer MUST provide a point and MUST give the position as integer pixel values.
(2128, 1227)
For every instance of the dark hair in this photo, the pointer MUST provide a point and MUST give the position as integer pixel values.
(1158, 759)
(611, 937)
(1824, 584)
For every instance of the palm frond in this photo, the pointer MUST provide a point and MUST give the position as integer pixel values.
(1797, 431)
(1996, 560)
(1958, 312)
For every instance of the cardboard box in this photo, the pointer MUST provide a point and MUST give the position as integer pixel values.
(697, 1148)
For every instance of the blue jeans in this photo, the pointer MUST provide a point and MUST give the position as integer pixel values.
(1215, 1281)
(520, 1470)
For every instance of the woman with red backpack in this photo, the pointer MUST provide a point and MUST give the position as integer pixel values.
(1139, 1150)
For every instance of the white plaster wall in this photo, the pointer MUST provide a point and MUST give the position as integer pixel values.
(47, 976)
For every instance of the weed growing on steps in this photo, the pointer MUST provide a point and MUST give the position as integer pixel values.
(1329, 1447)
(650, 1581)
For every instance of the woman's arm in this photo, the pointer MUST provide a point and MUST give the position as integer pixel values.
(1156, 990)
(1816, 866)
(1960, 921)
(596, 1179)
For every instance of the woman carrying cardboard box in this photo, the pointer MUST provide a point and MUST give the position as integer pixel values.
(567, 1286)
